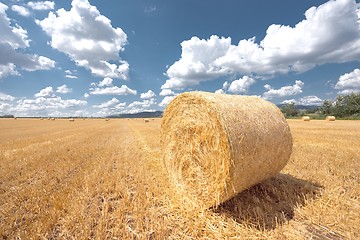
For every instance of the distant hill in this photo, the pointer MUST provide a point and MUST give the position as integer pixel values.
(156, 114)
(298, 107)
(159, 114)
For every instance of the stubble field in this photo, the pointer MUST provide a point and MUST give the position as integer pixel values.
(102, 179)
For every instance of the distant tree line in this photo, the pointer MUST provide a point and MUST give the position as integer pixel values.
(344, 106)
(7, 116)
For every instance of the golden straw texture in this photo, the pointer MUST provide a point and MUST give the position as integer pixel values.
(216, 145)
(330, 118)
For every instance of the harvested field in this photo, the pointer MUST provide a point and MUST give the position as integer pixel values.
(104, 179)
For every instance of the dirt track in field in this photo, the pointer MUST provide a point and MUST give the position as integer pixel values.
(103, 179)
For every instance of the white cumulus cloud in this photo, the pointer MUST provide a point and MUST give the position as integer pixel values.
(289, 101)
(48, 106)
(123, 90)
(311, 100)
(220, 91)
(46, 92)
(41, 5)
(63, 89)
(143, 104)
(149, 94)
(13, 42)
(197, 62)
(318, 39)
(241, 85)
(306, 101)
(166, 100)
(113, 103)
(106, 82)
(166, 92)
(88, 38)
(349, 82)
(283, 91)
(6, 103)
(8, 69)
(23, 11)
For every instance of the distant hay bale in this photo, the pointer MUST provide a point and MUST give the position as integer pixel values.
(71, 120)
(146, 120)
(306, 118)
(330, 118)
(107, 119)
(216, 145)
(15, 118)
(53, 119)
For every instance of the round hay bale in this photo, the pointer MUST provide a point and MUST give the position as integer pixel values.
(216, 145)
(330, 118)
(72, 120)
(306, 118)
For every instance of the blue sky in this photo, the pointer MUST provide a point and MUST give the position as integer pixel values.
(96, 58)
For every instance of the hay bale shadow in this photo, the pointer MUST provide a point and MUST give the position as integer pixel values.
(270, 203)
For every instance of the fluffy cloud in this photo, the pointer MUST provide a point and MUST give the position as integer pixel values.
(13, 41)
(197, 62)
(8, 69)
(70, 74)
(46, 92)
(123, 90)
(311, 100)
(15, 36)
(283, 91)
(320, 38)
(41, 5)
(224, 89)
(289, 101)
(6, 98)
(88, 38)
(106, 82)
(113, 104)
(349, 82)
(6, 103)
(23, 11)
(106, 87)
(166, 101)
(63, 89)
(166, 92)
(45, 103)
(241, 85)
(149, 94)
(143, 104)
(307, 101)
(48, 106)
(220, 91)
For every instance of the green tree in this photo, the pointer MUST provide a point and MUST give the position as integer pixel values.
(347, 105)
(327, 107)
(289, 110)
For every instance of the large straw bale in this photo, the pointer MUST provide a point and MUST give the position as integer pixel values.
(216, 145)
(306, 118)
(330, 118)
